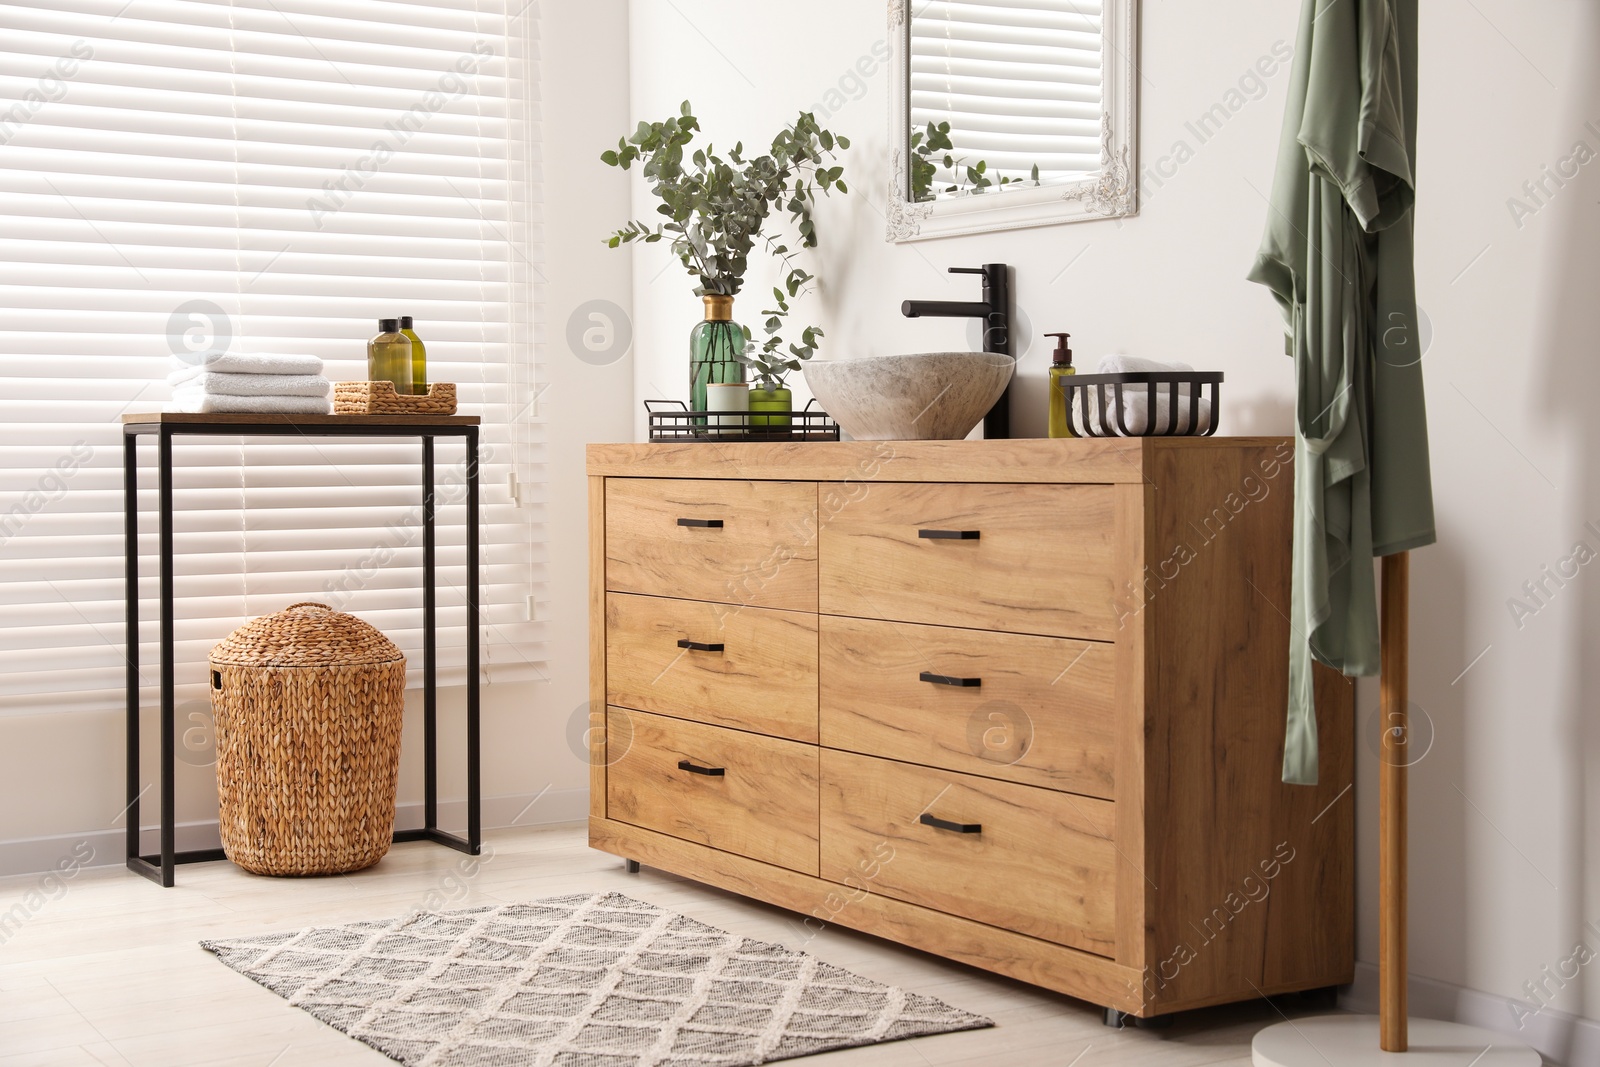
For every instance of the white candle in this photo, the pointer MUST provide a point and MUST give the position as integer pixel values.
(731, 398)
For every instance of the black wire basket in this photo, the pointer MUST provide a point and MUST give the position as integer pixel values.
(1096, 407)
(671, 420)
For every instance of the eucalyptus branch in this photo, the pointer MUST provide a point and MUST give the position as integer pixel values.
(970, 178)
(716, 208)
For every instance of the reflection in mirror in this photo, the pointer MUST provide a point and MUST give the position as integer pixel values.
(1011, 113)
(1004, 93)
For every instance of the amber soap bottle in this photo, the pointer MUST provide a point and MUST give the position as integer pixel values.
(1060, 367)
(389, 357)
(419, 357)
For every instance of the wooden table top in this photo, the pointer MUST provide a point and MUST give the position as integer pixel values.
(190, 418)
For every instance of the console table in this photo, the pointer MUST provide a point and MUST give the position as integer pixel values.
(163, 427)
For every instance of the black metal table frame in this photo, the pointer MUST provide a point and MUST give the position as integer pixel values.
(161, 867)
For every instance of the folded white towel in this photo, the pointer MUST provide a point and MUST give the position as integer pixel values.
(1136, 399)
(250, 363)
(218, 383)
(1136, 365)
(186, 399)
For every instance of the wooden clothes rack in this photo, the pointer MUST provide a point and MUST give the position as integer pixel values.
(1352, 1040)
(1393, 701)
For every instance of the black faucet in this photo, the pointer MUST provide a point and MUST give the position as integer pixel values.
(995, 311)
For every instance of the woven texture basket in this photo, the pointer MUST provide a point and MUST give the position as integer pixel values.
(379, 398)
(308, 706)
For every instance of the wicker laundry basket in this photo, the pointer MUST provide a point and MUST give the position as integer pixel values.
(308, 706)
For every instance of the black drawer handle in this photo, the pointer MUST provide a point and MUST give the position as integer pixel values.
(945, 824)
(945, 679)
(699, 646)
(709, 772)
(948, 535)
(702, 524)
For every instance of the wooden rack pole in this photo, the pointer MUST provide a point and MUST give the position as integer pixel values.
(1396, 614)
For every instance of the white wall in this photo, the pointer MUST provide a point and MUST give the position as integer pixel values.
(61, 776)
(1505, 859)
(585, 98)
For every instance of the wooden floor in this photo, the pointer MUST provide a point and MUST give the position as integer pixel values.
(109, 973)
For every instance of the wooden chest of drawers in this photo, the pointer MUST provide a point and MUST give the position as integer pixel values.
(1016, 703)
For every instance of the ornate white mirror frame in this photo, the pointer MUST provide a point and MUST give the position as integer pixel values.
(1111, 193)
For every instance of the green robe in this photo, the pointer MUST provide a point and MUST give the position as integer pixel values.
(1338, 256)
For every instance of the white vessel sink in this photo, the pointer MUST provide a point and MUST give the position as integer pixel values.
(930, 396)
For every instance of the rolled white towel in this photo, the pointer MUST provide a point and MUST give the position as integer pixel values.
(1136, 408)
(248, 363)
(1136, 399)
(196, 400)
(218, 383)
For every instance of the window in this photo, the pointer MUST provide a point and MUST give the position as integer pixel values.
(178, 176)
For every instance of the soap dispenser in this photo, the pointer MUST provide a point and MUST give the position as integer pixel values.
(1060, 367)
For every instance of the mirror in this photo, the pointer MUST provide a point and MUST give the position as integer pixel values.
(1011, 113)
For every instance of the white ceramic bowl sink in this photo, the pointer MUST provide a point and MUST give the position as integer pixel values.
(932, 396)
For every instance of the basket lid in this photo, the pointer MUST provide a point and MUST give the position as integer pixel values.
(306, 635)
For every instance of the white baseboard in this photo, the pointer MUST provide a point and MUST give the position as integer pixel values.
(1563, 1039)
(37, 855)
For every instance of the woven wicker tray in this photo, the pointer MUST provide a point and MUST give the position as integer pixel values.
(379, 398)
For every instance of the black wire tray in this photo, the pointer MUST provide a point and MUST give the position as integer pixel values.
(671, 420)
(1095, 405)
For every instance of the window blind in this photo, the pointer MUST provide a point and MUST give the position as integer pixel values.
(1019, 82)
(182, 176)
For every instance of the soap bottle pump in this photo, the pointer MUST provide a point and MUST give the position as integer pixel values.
(1060, 367)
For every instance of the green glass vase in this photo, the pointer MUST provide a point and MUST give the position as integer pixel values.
(779, 401)
(714, 346)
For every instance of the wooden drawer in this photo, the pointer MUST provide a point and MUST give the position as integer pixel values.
(724, 541)
(1041, 863)
(763, 805)
(1035, 559)
(1035, 710)
(748, 668)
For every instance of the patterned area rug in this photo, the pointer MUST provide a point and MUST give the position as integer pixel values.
(580, 981)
